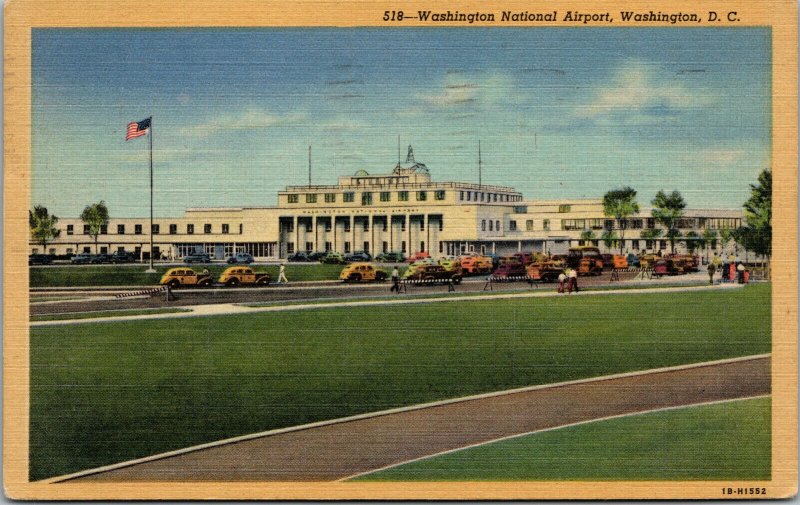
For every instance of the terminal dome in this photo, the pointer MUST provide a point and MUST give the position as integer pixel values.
(361, 173)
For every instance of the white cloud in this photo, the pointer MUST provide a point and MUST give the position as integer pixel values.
(247, 120)
(460, 89)
(639, 92)
(715, 157)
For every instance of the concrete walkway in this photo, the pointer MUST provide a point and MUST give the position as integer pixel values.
(233, 308)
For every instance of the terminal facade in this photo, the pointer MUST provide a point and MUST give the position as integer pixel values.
(401, 211)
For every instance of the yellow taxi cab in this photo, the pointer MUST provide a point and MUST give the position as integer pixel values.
(362, 272)
(246, 276)
(175, 277)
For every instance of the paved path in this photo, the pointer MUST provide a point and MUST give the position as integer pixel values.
(235, 308)
(341, 449)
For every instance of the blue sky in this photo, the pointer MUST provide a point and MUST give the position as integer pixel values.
(560, 112)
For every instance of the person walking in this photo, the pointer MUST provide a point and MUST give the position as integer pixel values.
(562, 278)
(395, 280)
(711, 271)
(282, 274)
(740, 273)
(573, 280)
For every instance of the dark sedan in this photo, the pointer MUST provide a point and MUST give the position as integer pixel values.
(39, 259)
(198, 257)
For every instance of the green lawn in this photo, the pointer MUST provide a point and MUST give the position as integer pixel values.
(106, 392)
(104, 313)
(727, 441)
(134, 275)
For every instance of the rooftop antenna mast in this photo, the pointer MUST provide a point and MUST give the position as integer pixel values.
(309, 165)
(398, 150)
(480, 180)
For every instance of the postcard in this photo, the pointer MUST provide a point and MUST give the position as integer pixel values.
(400, 250)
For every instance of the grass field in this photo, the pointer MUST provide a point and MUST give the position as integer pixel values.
(104, 313)
(134, 275)
(727, 441)
(107, 392)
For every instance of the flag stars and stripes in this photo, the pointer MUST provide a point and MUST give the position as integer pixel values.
(138, 128)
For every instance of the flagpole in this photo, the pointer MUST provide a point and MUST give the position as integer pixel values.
(150, 134)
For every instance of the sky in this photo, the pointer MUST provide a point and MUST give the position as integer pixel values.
(559, 112)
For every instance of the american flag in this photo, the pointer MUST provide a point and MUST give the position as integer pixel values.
(138, 128)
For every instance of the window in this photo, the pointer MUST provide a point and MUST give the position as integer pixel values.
(328, 246)
(330, 197)
(497, 225)
(385, 224)
(155, 229)
(403, 246)
(290, 247)
(328, 225)
(573, 224)
(483, 225)
(595, 224)
(226, 228)
(469, 196)
(348, 197)
(310, 225)
(635, 245)
(491, 225)
(495, 197)
(402, 196)
(520, 209)
(347, 247)
(662, 245)
(207, 228)
(347, 226)
(103, 229)
(529, 225)
(189, 229)
(173, 229)
(86, 229)
(422, 224)
(366, 246)
(564, 208)
(439, 195)
(120, 229)
(481, 196)
(421, 245)
(422, 196)
(441, 223)
(241, 228)
(309, 246)
(366, 225)
(366, 198)
(461, 196)
(512, 225)
(636, 224)
(403, 225)
(385, 196)
(546, 224)
(651, 223)
(311, 198)
(137, 229)
(292, 198)
(608, 224)
(71, 228)
(385, 246)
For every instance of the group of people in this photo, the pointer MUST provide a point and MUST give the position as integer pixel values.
(738, 272)
(568, 281)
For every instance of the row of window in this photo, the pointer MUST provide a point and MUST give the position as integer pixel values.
(480, 196)
(367, 197)
(384, 224)
(290, 247)
(156, 229)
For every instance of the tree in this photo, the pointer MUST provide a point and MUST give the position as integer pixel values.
(621, 204)
(709, 236)
(667, 210)
(693, 241)
(43, 226)
(756, 236)
(725, 236)
(652, 234)
(587, 235)
(609, 237)
(96, 217)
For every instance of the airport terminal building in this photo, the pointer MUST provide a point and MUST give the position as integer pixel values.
(403, 210)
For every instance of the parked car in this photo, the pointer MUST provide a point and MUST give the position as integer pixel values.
(39, 259)
(299, 256)
(451, 264)
(586, 260)
(633, 260)
(317, 256)
(334, 258)
(102, 258)
(360, 256)
(391, 257)
(432, 273)
(122, 257)
(245, 276)
(473, 265)
(245, 258)
(197, 257)
(506, 270)
(81, 259)
(181, 276)
(362, 272)
(419, 255)
(544, 271)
